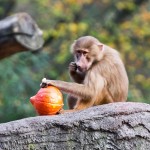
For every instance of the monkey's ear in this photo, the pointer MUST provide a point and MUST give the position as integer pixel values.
(72, 47)
(101, 46)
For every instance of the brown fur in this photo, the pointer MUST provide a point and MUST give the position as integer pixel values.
(104, 81)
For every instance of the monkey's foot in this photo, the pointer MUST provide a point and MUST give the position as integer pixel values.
(62, 111)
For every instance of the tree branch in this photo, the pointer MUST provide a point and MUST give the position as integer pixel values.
(19, 33)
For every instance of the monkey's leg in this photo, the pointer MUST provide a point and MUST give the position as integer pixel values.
(81, 105)
(71, 101)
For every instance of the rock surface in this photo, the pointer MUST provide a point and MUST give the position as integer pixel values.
(116, 126)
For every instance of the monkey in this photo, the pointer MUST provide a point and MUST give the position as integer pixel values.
(98, 72)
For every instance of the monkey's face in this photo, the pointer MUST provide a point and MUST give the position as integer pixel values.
(87, 51)
(84, 59)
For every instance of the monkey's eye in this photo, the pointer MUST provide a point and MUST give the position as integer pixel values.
(84, 52)
(88, 59)
(78, 51)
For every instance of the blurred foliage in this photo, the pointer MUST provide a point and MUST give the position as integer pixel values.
(123, 25)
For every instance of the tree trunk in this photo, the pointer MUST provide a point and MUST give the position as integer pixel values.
(19, 33)
(116, 126)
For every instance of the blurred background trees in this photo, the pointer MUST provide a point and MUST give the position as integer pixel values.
(123, 25)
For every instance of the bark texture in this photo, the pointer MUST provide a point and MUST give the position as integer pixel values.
(116, 126)
(19, 33)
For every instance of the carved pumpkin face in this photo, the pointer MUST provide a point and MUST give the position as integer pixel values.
(47, 101)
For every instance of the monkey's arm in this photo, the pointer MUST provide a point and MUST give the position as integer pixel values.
(86, 92)
(75, 89)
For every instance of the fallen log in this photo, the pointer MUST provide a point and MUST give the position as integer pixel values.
(19, 33)
(116, 126)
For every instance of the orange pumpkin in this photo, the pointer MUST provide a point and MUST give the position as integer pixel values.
(47, 101)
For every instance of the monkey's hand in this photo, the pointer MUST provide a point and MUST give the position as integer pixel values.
(72, 67)
(76, 75)
(44, 83)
